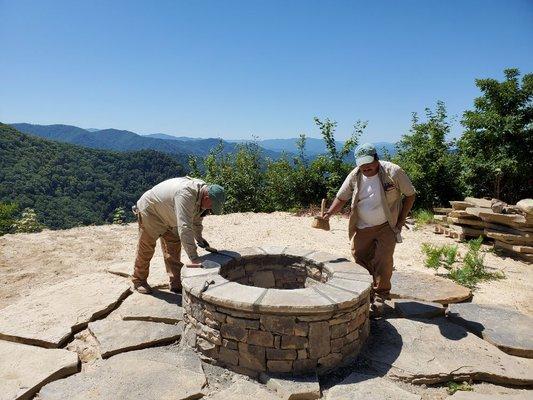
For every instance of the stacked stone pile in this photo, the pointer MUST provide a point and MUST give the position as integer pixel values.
(509, 226)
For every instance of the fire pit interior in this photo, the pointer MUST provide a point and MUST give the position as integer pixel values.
(276, 309)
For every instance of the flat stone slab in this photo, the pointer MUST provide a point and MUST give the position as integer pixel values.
(116, 336)
(294, 388)
(157, 278)
(509, 330)
(243, 389)
(482, 396)
(418, 309)
(159, 306)
(134, 375)
(427, 287)
(48, 317)
(436, 350)
(25, 369)
(366, 387)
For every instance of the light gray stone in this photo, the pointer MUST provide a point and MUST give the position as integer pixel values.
(243, 389)
(160, 306)
(134, 375)
(116, 336)
(365, 387)
(157, 278)
(294, 388)
(483, 396)
(48, 317)
(436, 350)
(510, 331)
(418, 309)
(427, 287)
(25, 369)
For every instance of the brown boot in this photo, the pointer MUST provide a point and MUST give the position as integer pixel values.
(142, 287)
(175, 288)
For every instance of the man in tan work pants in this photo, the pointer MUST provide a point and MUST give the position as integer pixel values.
(173, 211)
(378, 214)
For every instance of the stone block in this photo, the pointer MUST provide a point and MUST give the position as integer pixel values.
(302, 354)
(294, 342)
(234, 332)
(230, 344)
(260, 338)
(304, 366)
(336, 345)
(293, 388)
(243, 322)
(252, 357)
(279, 354)
(330, 361)
(319, 339)
(209, 334)
(207, 348)
(264, 279)
(278, 324)
(301, 329)
(227, 356)
(279, 366)
(339, 330)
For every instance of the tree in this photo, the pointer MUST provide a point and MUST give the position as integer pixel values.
(429, 160)
(497, 146)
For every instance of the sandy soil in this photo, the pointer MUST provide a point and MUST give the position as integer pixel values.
(29, 261)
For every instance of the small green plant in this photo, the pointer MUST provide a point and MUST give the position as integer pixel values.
(422, 217)
(28, 222)
(7, 217)
(455, 386)
(439, 256)
(472, 269)
(119, 216)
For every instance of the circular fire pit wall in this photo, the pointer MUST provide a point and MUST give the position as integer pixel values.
(275, 309)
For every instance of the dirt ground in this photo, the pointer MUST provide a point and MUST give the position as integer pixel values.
(29, 261)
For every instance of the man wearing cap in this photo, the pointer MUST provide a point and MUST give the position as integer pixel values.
(381, 196)
(173, 211)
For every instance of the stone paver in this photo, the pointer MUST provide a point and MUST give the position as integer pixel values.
(135, 375)
(243, 389)
(427, 287)
(160, 306)
(116, 336)
(25, 369)
(158, 277)
(49, 316)
(436, 350)
(509, 330)
(365, 387)
(418, 309)
(294, 388)
(482, 396)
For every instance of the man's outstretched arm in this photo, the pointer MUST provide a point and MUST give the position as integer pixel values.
(335, 207)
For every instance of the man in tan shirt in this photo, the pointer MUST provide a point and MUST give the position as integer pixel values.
(381, 195)
(173, 211)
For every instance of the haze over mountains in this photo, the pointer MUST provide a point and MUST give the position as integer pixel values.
(180, 147)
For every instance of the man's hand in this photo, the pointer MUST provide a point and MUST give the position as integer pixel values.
(202, 243)
(196, 263)
(326, 216)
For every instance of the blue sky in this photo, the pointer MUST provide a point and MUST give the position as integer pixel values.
(234, 69)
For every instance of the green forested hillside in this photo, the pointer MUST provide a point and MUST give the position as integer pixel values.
(69, 185)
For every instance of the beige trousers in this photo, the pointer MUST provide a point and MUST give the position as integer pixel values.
(171, 246)
(373, 248)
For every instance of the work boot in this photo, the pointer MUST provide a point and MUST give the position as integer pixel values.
(142, 287)
(175, 288)
(377, 306)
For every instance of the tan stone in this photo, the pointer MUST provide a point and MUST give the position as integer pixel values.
(49, 316)
(319, 339)
(230, 344)
(207, 348)
(25, 369)
(366, 387)
(302, 354)
(234, 332)
(228, 356)
(252, 357)
(260, 338)
(243, 389)
(160, 306)
(209, 334)
(301, 329)
(279, 354)
(339, 330)
(279, 366)
(330, 360)
(294, 342)
(244, 322)
(264, 279)
(293, 388)
(117, 336)
(278, 324)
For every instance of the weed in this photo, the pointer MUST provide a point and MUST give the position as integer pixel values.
(439, 256)
(422, 217)
(454, 387)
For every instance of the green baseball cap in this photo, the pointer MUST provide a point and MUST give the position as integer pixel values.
(217, 196)
(364, 154)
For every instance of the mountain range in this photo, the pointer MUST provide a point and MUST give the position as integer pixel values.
(179, 146)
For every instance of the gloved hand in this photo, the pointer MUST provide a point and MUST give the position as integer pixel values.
(202, 243)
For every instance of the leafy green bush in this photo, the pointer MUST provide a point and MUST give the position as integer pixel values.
(28, 222)
(455, 386)
(439, 256)
(119, 215)
(7, 217)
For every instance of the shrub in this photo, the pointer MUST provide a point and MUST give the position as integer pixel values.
(119, 215)
(422, 217)
(7, 217)
(28, 222)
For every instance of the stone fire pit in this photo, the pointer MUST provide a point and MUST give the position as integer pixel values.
(277, 309)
